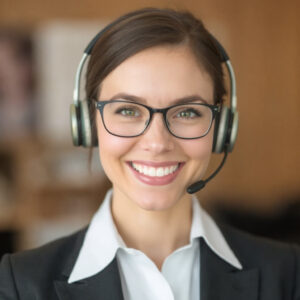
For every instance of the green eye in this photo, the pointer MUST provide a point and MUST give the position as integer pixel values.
(188, 114)
(129, 112)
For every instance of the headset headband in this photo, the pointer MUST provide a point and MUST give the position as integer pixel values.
(92, 43)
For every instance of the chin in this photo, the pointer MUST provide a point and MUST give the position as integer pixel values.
(157, 200)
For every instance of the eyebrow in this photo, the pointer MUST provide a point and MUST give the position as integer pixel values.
(183, 100)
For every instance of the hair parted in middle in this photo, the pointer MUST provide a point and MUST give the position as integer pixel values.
(150, 27)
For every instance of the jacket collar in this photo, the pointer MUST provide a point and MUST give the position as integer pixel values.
(106, 284)
(102, 234)
(222, 281)
(219, 280)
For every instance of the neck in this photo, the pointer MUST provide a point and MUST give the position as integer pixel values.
(156, 233)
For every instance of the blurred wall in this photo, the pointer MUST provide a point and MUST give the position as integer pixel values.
(263, 40)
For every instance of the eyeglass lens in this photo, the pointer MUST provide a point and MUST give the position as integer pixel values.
(184, 121)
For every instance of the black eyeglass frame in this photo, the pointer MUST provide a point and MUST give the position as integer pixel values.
(215, 109)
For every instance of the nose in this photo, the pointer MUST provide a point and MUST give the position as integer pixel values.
(157, 139)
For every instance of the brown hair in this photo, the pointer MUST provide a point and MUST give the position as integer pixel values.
(146, 28)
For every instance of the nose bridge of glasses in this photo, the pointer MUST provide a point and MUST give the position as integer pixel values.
(162, 111)
(163, 119)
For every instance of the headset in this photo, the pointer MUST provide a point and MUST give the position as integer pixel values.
(226, 122)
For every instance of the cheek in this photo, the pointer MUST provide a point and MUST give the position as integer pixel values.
(111, 149)
(199, 149)
(199, 154)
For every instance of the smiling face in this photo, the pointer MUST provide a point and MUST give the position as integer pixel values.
(152, 171)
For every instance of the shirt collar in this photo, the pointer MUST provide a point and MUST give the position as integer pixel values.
(102, 240)
(204, 226)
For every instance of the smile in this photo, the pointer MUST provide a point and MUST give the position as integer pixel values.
(155, 173)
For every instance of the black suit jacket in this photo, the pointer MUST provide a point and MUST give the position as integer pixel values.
(271, 271)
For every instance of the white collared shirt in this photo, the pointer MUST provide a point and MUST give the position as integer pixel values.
(179, 278)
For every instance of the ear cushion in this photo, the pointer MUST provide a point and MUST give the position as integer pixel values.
(221, 130)
(86, 132)
(92, 114)
(75, 125)
(233, 130)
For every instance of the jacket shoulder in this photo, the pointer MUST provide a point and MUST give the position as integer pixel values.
(58, 251)
(39, 266)
(259, 251)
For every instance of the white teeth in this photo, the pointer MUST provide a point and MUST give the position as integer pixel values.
(173, 169)
(159, 172)
(155, 172)
(152, 171)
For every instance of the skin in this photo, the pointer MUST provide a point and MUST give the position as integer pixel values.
(146, 215)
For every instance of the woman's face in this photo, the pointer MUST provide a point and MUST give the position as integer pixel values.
(156, 77)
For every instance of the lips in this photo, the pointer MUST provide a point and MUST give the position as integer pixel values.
(155, 173)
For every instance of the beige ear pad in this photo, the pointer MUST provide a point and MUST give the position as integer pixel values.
(86, 131)
(221, 132)
(234, 131)
(75, 124)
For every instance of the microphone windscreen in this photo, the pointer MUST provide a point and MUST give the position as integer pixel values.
(195, 187)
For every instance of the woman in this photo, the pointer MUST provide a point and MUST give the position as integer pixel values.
(154, 87)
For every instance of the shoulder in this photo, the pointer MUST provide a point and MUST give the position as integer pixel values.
(258, 251)
(59, 250)
(279, 263)
(41, 265)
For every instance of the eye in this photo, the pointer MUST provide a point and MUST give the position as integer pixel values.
(128, 111)
(188, 113)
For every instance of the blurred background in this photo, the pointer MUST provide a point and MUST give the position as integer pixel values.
(46, 187)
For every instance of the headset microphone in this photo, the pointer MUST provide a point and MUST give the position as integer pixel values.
(199, 185)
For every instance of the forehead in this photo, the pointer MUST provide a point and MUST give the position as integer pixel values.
(159, 75)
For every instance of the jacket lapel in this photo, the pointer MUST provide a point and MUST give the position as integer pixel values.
(106, 285)
(221, 281)
(218, 279)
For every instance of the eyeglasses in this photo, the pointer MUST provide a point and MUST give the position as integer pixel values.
(130, 119)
